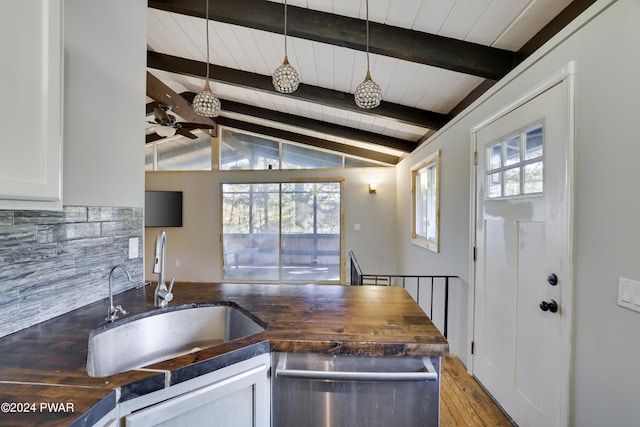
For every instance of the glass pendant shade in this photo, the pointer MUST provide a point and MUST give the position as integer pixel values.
(206, 103)
(285, 78)
(368, 93)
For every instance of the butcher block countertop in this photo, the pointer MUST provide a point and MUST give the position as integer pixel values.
(45, 365)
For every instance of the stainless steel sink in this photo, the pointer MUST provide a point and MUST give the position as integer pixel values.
(163, 334)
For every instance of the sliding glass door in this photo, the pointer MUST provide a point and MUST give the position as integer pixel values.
(284, 232)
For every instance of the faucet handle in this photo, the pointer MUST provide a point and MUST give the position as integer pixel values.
(113, 313)
(168, 297)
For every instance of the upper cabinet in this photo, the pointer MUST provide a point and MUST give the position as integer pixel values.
(31, 106)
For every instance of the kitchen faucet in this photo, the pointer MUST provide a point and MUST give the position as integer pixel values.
(162, 296)
(113, 310)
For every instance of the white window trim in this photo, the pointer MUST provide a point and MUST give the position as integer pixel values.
(430, 244)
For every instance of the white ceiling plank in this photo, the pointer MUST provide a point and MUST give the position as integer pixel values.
(303, 59)
(463, 18)
(440, 87)
(432, 15)
(227, 47)
(529, 22)
(321, 5)
(189, 36)
(343, 68)
(323, 60)
(348, 7)
(403, 13)
(495, 20)
(162, 34)
(458, 92)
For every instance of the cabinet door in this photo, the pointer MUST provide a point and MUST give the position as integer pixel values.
(31, 84)
(239, 400)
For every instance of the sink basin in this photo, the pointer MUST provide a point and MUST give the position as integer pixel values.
(163, 334)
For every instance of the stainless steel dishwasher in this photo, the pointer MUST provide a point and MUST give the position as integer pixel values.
(320, 390)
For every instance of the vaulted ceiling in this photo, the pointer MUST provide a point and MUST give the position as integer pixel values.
(432, 58)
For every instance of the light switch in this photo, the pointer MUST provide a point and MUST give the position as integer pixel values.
(356, 227)
(133, 247)
(636, 298)
(629, 294)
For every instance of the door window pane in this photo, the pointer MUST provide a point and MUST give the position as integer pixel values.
(533, 178)
(495, 185)
(533, 144)
(250, 238)
(512, 182)
(515, 166)
(310, 231)
(512, 151)
(495, 156)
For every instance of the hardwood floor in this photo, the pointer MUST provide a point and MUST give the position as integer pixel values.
(463, 401)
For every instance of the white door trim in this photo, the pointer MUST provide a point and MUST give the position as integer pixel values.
(567, 75)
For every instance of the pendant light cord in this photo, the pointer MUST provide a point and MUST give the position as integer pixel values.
(207, 21)
(285, 28)
(367, 12)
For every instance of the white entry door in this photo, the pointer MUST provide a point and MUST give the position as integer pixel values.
(523, 237)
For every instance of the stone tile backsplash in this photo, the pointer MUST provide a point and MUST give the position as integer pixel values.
(52, 262)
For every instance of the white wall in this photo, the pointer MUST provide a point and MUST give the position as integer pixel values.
(197, 243)
(607, 209)
(105, 87)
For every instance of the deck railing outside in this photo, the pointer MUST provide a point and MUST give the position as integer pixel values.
(419, 282)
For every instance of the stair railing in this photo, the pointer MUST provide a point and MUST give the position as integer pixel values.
(358, 278)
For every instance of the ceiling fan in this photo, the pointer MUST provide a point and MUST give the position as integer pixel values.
(168, 100)
(167, 124)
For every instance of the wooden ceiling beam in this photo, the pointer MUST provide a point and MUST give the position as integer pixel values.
(315, 125)
(315, 94)
(409, 45)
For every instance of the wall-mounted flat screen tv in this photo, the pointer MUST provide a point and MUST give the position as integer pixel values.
(163, 209)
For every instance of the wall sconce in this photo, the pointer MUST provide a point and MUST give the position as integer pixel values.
(373, 188)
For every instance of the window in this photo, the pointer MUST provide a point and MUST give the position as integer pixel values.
(285, 232)
(426, 203)
(247, 152)
(180, 153)
(515, 165)
(238, 150)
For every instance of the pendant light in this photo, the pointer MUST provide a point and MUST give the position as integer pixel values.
(206, 103)
(285, 78)
(368, 94)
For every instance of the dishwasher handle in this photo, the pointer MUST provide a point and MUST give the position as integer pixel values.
(429, 374)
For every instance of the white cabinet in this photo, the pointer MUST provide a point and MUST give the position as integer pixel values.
(31, 110)
(235, 396)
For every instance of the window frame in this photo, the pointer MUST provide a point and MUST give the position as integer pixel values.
(520, 164)
(338, 180)
(432, 244)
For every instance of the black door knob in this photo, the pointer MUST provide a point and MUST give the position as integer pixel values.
(552, 279)
(550, 305)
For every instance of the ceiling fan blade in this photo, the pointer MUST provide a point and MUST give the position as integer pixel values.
(162, 93)
(186, 133)
(189, 125)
